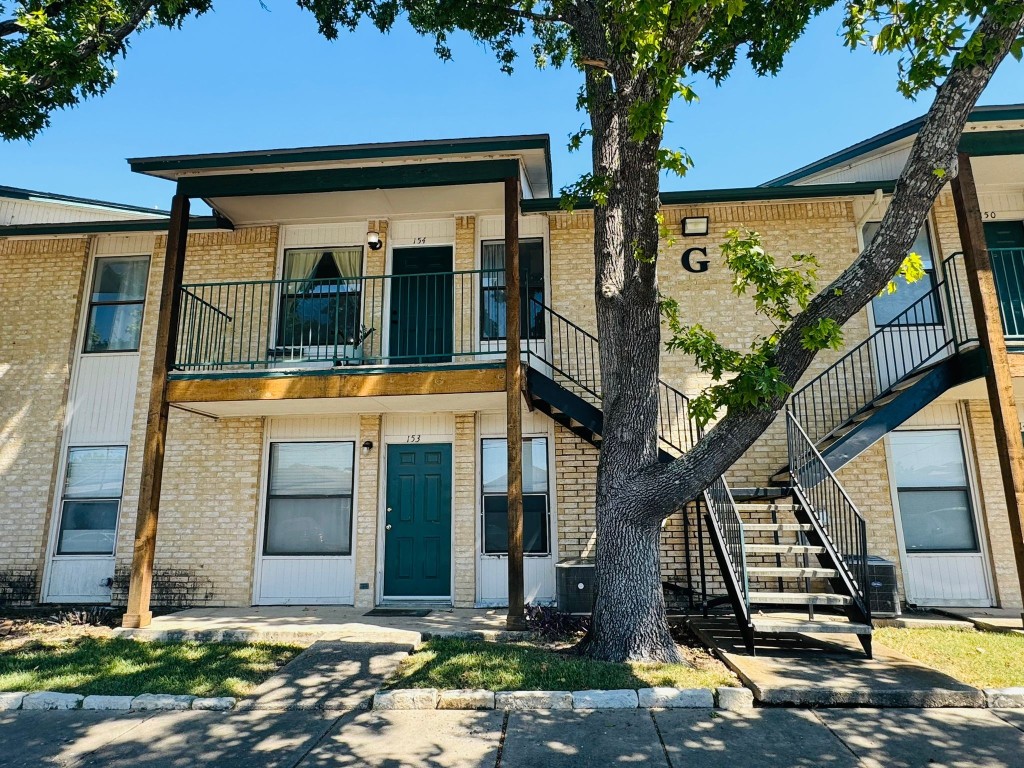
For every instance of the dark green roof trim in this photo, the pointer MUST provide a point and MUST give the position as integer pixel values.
(389, 150)
(738, 195)
(910, 128)
(349, 179)
(200, 223)
(991, 143)
(14, 193)
(339, 371)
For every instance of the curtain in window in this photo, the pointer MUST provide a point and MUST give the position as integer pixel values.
(349, 261)
(301, 264)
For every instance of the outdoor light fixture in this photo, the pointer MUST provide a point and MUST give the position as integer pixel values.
(373, 240)
(695, 226)
(368, 444)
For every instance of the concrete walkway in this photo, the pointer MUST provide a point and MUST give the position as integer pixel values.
(305, 624)
(990, 619)
(777, 738)
(801, 670)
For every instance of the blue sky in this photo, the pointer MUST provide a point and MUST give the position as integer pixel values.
(245, 78)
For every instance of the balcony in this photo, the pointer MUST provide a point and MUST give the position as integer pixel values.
(1008, 271)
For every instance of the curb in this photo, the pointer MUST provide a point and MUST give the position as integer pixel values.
(146, 702)
(732, 699)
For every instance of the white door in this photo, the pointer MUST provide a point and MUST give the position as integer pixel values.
(942, 553)
(306, 540)
(82, 566)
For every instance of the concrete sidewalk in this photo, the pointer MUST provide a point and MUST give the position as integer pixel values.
(776, 738)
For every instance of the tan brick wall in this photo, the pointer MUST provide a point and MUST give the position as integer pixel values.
(576, 491)
(994, 514)
(40, 292)
(367, 510)
(212, 467)
(464, 510)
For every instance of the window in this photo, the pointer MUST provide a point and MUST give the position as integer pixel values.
(320, 298)
(535, 496)
(309, 499)
(91, 500)
(116, 303)
(888, 308)
(531, 285)
(931, 486)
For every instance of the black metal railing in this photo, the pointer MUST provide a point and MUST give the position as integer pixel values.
(434, 317)
(833, 513)
(932, 327)
(727, 526)
(1008, 271)
(572, 355)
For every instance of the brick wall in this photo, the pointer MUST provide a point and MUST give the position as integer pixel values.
(367, 510)
(42, 285)
(464, 510)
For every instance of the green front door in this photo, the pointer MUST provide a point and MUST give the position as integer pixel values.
(421, 305)
(1005, 240)
(418, 521)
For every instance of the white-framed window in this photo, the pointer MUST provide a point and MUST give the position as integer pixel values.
(889, 308)
(492, 289)
(116, 304)
(933, 491)
(494, 486)
(309, 499)
(91, 500)
(321, 295)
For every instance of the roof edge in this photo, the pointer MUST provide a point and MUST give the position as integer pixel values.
(16, 193)
(74, 228)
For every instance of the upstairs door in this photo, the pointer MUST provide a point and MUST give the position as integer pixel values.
(421, 305)
(1005, 240)
(418, 522)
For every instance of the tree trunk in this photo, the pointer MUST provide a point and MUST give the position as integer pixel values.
(629, 621)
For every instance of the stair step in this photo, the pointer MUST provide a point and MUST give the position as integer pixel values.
(784, 549)
(907, 383)
(799, 598)
(794, 572)
(753, 506)
(769, 624)
(778, 527)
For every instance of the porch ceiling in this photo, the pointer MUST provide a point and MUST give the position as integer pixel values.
(481, 401)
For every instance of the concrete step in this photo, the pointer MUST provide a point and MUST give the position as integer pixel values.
(799, 598)
(769, 624)
(763, 506)
(794, 572)
(784, 549)
(777, 527)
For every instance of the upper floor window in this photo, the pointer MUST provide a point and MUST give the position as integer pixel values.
(908, 304)
(531, 285)
(320, 297)
(91, 500)
(116, 303)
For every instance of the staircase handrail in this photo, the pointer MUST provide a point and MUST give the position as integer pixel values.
(929, 326)
(841, 525)
(727, 525)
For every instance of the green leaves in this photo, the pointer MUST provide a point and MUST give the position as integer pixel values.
(751, 379)
(911, 270)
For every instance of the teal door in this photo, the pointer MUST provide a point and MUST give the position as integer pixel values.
(421, 305)
(1005, 240)
(418, 521)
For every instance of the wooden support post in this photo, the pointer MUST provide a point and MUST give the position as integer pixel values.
(998, 379)
(140, 586)
(513, 373)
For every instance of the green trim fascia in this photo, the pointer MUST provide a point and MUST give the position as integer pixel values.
(347, 370)
(338, 153)
(349, 179)
(15, 193)
(737, 195)
(989, 143)
(104, 227)
(978, 115)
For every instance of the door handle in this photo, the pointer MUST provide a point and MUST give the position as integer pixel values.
(387, 527)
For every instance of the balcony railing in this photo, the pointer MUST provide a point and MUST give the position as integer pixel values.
(1008, 271)
(432, 318)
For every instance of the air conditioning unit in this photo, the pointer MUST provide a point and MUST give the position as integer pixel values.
(574, 586)
(884, 597)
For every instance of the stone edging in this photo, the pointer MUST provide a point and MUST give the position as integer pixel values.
(735, 699)
(146, 702)
(1004, 698)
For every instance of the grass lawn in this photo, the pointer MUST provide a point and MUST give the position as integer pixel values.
(981, 659)
(457, 663)
(91, 661)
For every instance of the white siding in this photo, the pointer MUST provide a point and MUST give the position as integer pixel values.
(14, 211)
(306, 580)
(422, 232)
(312, 235)
(102, 401)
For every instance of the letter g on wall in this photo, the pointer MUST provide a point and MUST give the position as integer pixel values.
(698, 265)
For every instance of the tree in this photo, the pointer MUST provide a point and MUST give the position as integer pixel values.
(636, 56)
(55, 53)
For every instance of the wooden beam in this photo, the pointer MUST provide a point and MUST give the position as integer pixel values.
(513, 388)
(330, 384)
(998, 379)
(141, 583)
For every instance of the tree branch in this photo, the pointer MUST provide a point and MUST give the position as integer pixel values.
(13, 26)
(663, 489)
